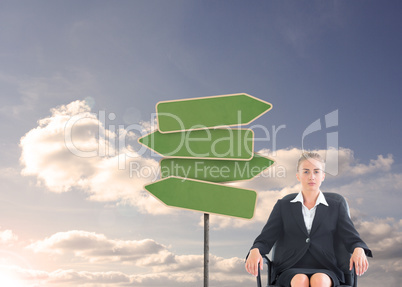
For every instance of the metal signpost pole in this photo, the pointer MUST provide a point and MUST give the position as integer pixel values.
(206, 249)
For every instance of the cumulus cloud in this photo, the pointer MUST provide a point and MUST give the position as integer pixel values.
(379, 273)
(73, 149)
(95, 247)
(384, 236)
(350, 166)
(7, 237)
(163, 268)
(71, 277)
(368, 195)
(380, 164)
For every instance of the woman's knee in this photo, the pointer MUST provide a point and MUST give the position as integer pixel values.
(300, 280)
(320, 280)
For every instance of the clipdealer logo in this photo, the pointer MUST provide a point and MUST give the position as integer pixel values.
(117, 145)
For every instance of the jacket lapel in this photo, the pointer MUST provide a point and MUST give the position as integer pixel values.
(320, 216)
(296, 208)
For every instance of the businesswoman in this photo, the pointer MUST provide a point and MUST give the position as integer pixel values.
(305, 228)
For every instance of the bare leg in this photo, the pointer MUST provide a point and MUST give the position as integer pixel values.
(320, 280)
(300, 280)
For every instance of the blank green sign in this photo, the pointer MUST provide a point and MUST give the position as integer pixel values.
(225, 110)
(214, 170)
(204, 196)
(209, 143)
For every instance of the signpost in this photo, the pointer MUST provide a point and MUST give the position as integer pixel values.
(203, 151)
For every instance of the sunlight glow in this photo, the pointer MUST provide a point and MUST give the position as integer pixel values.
(8, 281)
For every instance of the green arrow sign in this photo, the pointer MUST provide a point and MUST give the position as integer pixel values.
(207, 143)
(204, 196)
(196, 113)
(214, 170)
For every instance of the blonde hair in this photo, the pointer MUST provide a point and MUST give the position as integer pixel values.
(310, 155)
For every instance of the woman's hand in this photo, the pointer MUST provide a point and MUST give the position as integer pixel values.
(252, 261)
(359, 259)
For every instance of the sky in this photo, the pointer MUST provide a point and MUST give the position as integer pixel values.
(79, 81)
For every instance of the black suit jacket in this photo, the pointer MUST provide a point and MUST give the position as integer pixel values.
(286, 228)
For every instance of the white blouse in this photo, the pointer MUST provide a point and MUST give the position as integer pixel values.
(308, 214)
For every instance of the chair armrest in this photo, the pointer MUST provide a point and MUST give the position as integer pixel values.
(269, 266)
(259, 277)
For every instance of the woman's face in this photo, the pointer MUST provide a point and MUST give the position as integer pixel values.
(310, 175)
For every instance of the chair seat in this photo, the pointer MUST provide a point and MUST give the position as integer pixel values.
(335, 286)
(268, 262)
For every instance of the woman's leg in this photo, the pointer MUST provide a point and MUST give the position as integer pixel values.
(320, 280)
(300, 280)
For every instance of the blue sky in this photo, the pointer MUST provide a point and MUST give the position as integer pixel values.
(63, 215)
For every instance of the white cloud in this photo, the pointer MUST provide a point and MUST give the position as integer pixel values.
(373, 195)
(161, 266)
(95, 247)
(71, 277)
(380, 273)
(7, 237)
(147, 253)
(381, 164)
(72, 149)
(384, 236)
